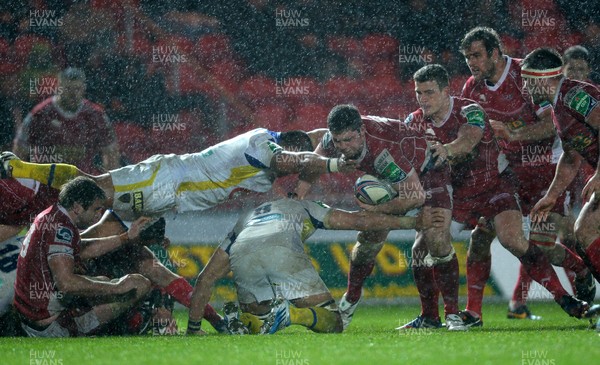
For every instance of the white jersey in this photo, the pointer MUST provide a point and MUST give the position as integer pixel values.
(197, 181)
(9, 252)
(285, 222)
(266, 251)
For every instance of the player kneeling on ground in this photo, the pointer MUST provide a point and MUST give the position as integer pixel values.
(52, 295)
(265, 252)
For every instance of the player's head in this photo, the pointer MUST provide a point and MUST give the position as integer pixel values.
(577, 63)
(71, 87)
(431, 88)
(84, 198)
(541, 70)
(482, 49)
(296, 141)
(347, 129)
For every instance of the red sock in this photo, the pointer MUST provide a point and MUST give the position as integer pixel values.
(356, 278)
(181, 290)
(428, 291)
(592, 258)
(573, 262)
(521, 287)
(446, 279)
(478, 272)
(540, 270)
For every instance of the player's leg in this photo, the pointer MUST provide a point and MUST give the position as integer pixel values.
(587, 232)
(362, 262)
(54, 175)
(425, 282)
(510, 234)
(442, 258)
(479, 263)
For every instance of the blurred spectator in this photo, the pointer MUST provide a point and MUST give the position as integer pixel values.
(577, 64)
(38, 79)
(68, 128)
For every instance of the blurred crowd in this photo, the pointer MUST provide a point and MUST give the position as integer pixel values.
(177, 76)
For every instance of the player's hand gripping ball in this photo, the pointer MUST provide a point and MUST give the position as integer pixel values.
(370, 190)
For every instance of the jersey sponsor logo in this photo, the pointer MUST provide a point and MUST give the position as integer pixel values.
(409, 119)
(474, 115)
(580, 142)
(387, 168)
(138, 201)
(63, 235)
(580, 101)
(265, 218)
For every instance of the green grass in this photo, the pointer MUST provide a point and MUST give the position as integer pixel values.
(371, 339)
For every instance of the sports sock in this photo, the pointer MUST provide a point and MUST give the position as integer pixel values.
(478, 272)
(356, 278)
(252, 321)
(428, 291)
(316, 319)
(521, 288)
(539, 268)
(573, 262)
(55, 175)
(181, 290)
(446, 279)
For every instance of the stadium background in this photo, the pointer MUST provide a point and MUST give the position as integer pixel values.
(178, 76)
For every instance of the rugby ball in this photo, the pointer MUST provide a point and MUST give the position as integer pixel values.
(370, 190)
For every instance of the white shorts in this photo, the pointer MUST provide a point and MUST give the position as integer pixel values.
(274, 271)
(147, 187)
(84, 324)
(8, 271)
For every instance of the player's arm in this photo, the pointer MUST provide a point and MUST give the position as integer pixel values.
(411, 195)
(96, 247)
(21, 141)
(593, 185)
(363, 220)
(7, 232)
(566, 170)
(542, 129)
(468, 137)
(216, 268)
(69, 283)
(110, 156)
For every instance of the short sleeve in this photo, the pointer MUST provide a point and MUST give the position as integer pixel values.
(261, 150)
(317, 212)
(61, 240)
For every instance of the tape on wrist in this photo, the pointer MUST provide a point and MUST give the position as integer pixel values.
(194, 326)
(332, 165)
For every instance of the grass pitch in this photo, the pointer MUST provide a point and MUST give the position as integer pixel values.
(371, 339)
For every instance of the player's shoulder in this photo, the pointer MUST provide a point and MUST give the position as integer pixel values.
(44, 105)
(90, 106)
(382, 127)
(580, 96)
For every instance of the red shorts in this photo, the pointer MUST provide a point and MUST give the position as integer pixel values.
(474, 204)
(532, 183)
(438, 189)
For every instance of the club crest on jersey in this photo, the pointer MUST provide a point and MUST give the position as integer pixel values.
(580, 101)
(387, 168)
(474, 115)
(515, 124)
(63, 235)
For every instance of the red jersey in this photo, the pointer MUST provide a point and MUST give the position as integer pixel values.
(54, 135)
(391, 149)
(22, 199)
(506, 102)
(478, 171)
(52, 233)
(573, 104)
